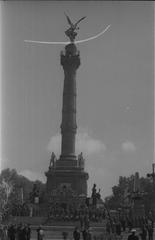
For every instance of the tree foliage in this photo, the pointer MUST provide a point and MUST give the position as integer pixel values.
(122, 192)
(15, 189)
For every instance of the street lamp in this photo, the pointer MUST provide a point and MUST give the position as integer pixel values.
(152, 176)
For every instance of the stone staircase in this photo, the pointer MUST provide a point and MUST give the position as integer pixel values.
(56, 228)
(98, 233)
(55, 232)
(29, 220)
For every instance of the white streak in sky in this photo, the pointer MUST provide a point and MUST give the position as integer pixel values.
(154, 109)
(0, 91)
(79, 41)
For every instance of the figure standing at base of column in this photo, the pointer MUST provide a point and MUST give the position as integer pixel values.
(94, 197)
(52, 160)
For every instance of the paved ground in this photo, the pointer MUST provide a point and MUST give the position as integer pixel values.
(54, 231)
(57, 235)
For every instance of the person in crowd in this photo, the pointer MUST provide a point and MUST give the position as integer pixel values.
(81, 218)
(130, 224)
(19, 234)
(86, 221)
(28, 232)
(38, 229)
(11, 232)
(123, 224)
(133, 235)
(1, 232)
(118, 229)
(150, 231)
(76, 234)
(5, 232)
(143, 233)
(40, 233)
(24, 233)
(84, 234)
(89, 237)
(108, 227)
(64, 234)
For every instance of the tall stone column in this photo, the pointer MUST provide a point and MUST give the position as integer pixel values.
(70, 61)
(68, 170)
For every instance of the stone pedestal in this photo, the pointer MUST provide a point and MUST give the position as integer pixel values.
(67, 174)
(66, 183)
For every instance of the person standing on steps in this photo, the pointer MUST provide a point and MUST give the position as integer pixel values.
(40, 233)
(133, 235)
(76, 234)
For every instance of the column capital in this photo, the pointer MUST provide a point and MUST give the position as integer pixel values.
(70, 58)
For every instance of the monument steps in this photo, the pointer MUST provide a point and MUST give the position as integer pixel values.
(34, 221)
(55, 229)
(27, 220)
(56, 232)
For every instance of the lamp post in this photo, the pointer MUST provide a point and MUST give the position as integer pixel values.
(152, 176)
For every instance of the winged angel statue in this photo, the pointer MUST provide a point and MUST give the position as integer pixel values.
(71, 32)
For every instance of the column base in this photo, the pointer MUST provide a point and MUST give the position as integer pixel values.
(67, 157)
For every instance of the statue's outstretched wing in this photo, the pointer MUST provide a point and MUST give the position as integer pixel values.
(69, 21)
(79, 21)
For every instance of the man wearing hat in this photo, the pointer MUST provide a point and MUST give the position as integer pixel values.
(132, 236)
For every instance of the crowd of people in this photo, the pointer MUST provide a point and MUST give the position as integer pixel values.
(113, 228)
(15, 232)
(86, 234)
(23, 232)
(121, 225)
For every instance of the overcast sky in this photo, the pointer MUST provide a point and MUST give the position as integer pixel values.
(114, 87)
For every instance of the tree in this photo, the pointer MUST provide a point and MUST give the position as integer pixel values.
(119, 192)
(15, 190)
(124, 190)
(6, 188)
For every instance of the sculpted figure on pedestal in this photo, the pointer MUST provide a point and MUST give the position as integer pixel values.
(71, 32)
(52, 160)
(81, 160)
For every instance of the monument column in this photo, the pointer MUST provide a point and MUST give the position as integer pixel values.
(70, 61)
(67, 172)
